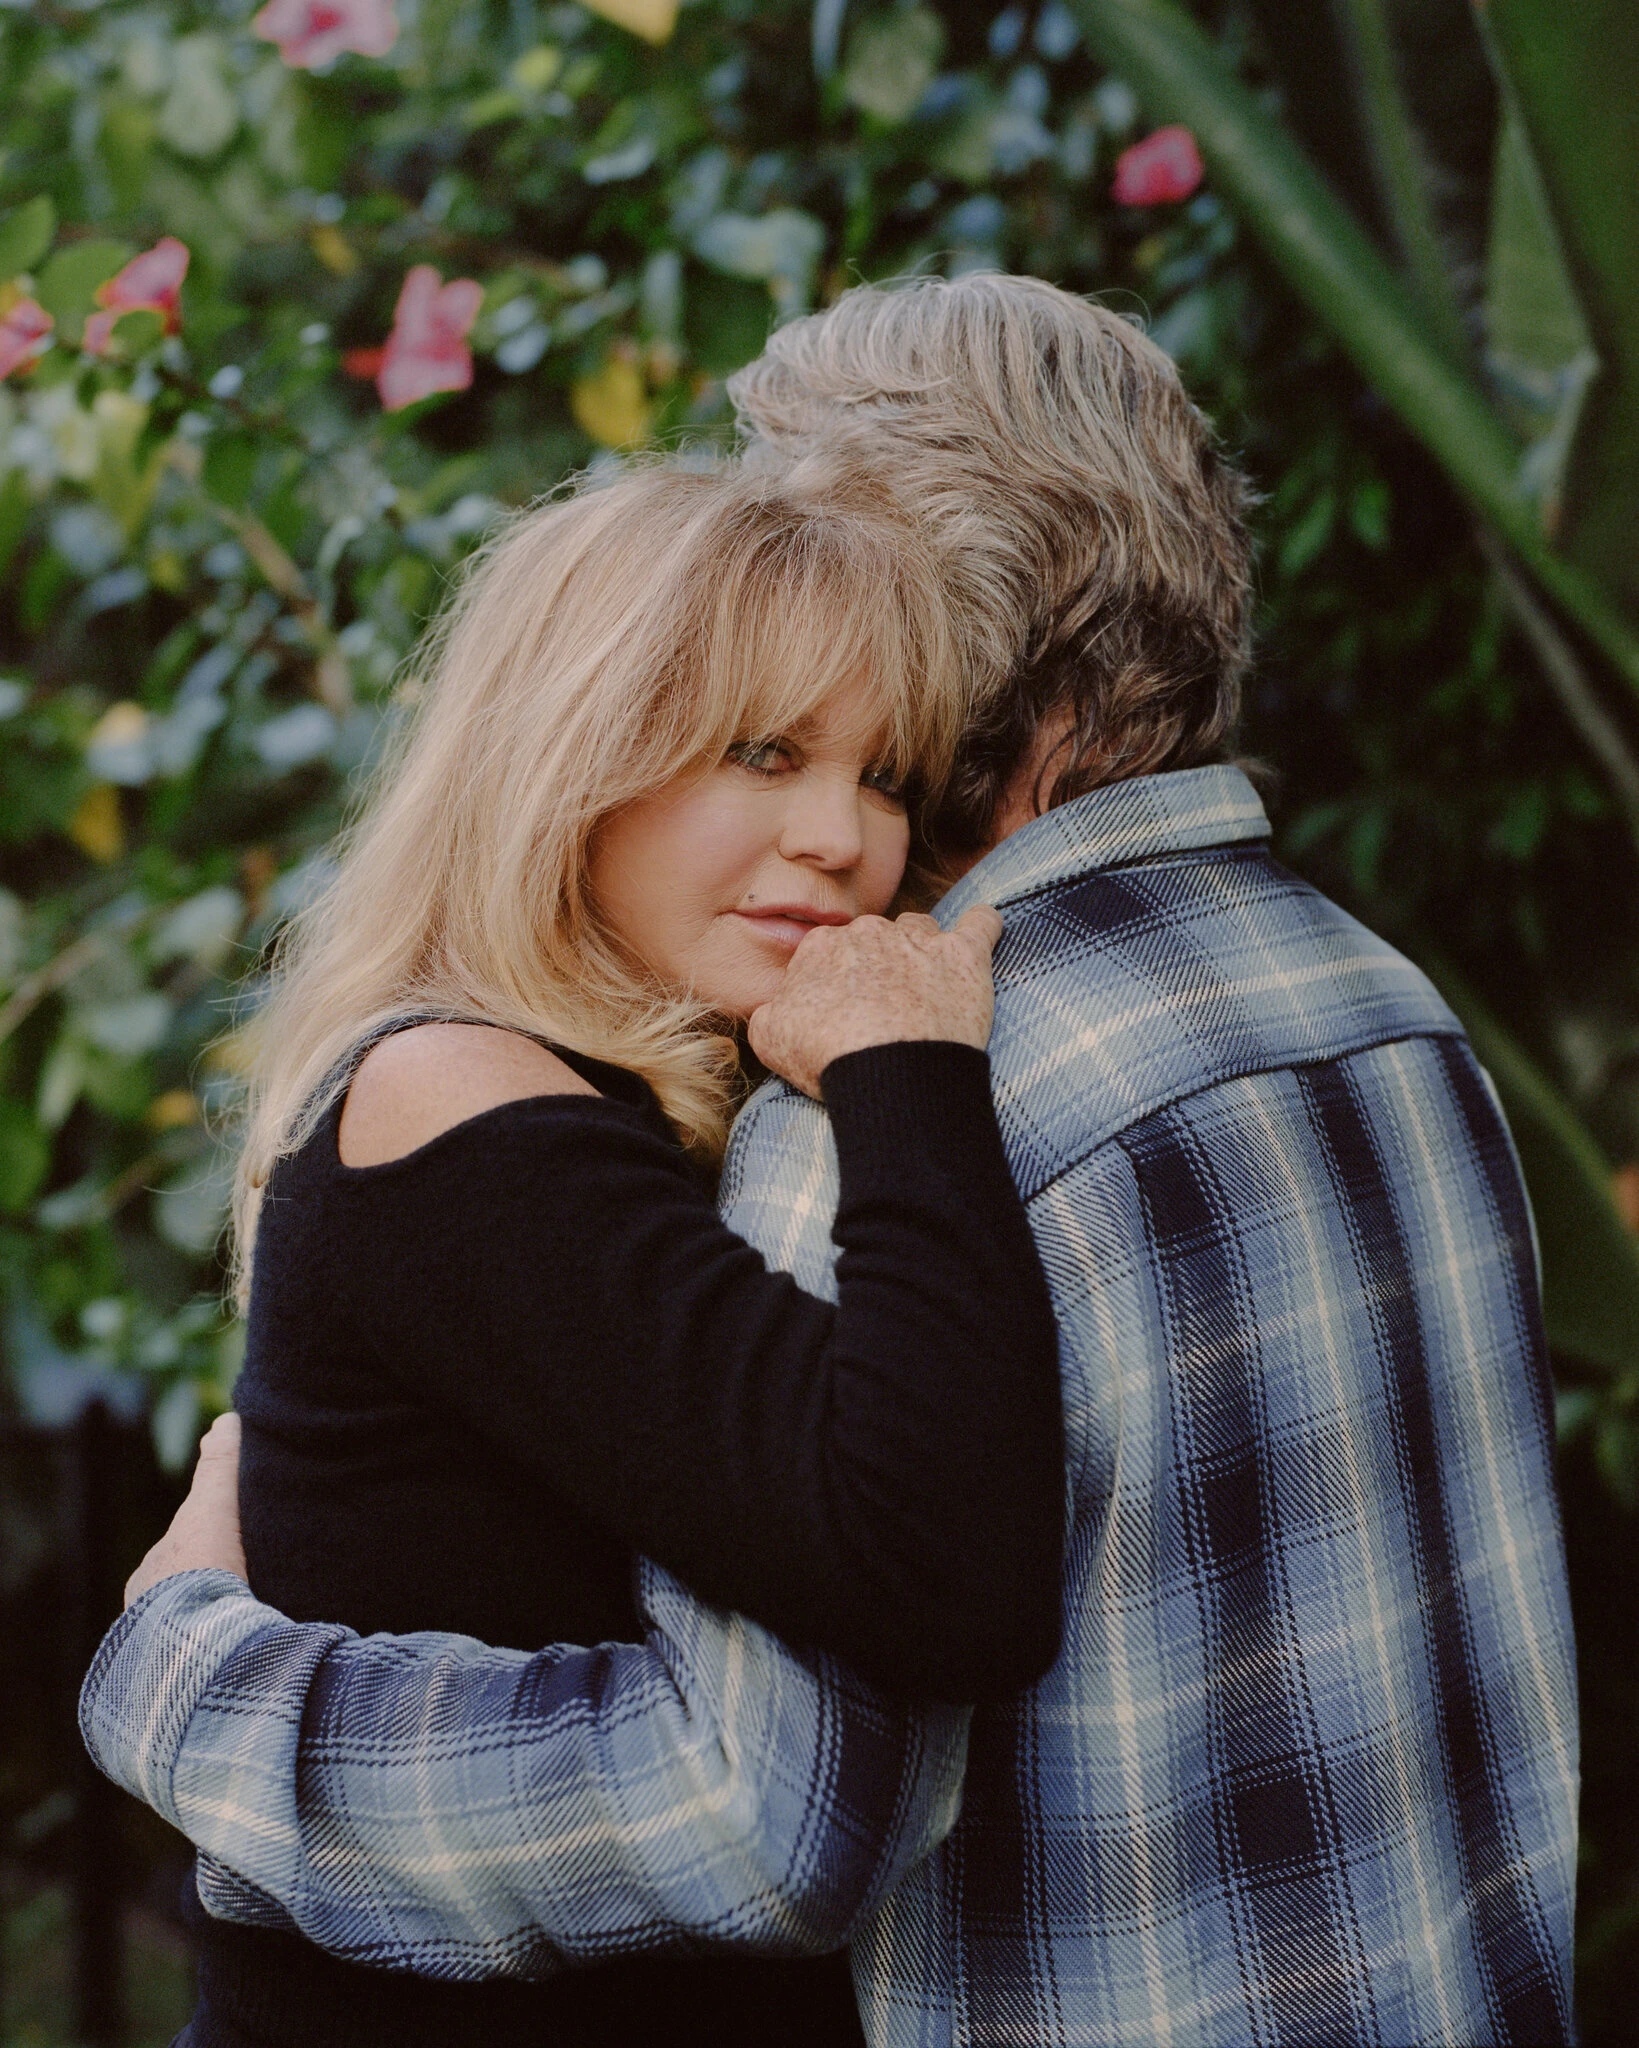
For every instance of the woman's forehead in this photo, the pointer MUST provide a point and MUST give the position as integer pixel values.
(853, 714)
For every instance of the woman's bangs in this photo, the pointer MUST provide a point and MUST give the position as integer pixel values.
(807, 639)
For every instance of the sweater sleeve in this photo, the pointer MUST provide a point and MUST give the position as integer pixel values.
(882, 1478)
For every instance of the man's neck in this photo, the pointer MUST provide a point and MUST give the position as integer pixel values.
(1027, 793)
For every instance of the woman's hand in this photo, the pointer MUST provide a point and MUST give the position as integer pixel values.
(873, 982)
(204, 1532)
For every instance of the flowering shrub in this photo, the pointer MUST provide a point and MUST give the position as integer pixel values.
(294, 301)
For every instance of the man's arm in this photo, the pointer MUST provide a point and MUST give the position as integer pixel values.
(427, 1802)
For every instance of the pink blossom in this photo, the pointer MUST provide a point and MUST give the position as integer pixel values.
(149, 283)
(23, 335)
(1165, 166)
(427, 349)
(314, 32)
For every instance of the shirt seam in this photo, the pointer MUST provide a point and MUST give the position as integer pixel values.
(1160, 1107)
(1175, 855)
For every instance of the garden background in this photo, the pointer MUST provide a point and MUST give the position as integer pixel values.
(291, 306)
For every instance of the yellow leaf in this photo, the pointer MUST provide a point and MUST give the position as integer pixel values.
(334, 250)
(333, 681)
(167, 570)
(535, 70)
(96, 826)
(611, 404)
(654, 20)
(172, 1110)
(120, 419)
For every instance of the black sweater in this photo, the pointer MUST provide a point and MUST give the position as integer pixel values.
(482, 1378)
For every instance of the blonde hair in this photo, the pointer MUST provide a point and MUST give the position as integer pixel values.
(596, 648)
(1095, 539)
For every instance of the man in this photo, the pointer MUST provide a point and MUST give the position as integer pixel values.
(1305, 1770)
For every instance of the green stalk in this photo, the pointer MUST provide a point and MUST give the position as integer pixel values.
(1590, 1259)
(1330, 261)
(1397, 160)
(1578, 699)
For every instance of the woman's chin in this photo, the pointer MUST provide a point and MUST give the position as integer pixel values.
(737, 970)
(737, 995)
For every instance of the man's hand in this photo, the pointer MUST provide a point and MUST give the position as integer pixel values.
(204, 1532)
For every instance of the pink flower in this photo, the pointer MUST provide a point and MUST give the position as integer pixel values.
(1165, 166)
(149, 283)
(313, 32)
(24, 329)
(427, 349)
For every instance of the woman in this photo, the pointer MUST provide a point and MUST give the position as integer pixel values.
(665, 745)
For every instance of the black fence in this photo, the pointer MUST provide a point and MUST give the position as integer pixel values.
(78, 1505)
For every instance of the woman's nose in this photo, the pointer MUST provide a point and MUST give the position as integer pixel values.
(823, 822)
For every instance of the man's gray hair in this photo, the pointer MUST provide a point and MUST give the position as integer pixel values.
(1096, 539)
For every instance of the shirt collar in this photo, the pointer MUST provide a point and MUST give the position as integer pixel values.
(1112, 827)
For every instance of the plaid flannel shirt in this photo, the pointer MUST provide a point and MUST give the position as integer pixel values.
(1305, 1771)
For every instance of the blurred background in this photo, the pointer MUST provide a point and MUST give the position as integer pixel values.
(293, 303)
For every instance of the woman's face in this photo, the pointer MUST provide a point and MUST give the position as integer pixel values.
(715, 880)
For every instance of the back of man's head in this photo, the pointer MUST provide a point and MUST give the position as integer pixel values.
(1097, 543)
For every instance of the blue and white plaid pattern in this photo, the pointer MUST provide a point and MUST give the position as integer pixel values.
(1305, 1771)
(427, 1803)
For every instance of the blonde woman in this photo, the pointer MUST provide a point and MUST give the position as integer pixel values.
(661, 765)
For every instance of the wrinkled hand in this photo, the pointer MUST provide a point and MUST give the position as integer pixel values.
(873, 982)
(204, 1531)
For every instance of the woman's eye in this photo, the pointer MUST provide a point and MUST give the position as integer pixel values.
(762, 757)
(886, 782)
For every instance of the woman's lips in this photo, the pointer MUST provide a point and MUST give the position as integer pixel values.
(788, 924)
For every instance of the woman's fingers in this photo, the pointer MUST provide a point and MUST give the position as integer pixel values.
(873, 982)
(204, 1531)
(220, 1443)
(919, 929)
(981, 925)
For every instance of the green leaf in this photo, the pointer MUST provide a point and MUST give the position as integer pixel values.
(1369, 510)
(1308, 533)
(1331, 262)
(230, 466)
(1401, 174)
(68, 284)
(1573, 75)
(200, 114)
(726, 322)
(1590, 1259)
(14, 510)
(25, 235)
(138, 332)
(891, 62)
(25, 1155)
(1539, 349)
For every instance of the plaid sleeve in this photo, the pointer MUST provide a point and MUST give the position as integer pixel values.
(432, 1804)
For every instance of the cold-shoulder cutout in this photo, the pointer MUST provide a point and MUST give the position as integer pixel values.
(416, 1084)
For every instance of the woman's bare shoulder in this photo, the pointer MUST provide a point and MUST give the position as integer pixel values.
(421, 1082)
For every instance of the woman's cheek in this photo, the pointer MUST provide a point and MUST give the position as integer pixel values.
(888, 849)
